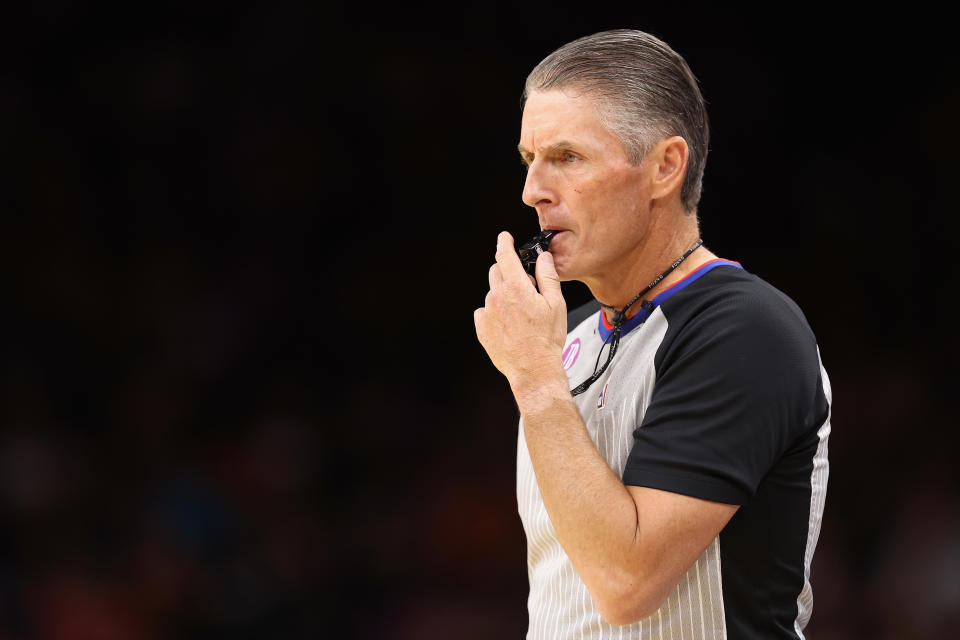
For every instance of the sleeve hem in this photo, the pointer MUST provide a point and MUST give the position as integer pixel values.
(694, 486)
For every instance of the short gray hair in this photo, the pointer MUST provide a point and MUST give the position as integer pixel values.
(645, 92)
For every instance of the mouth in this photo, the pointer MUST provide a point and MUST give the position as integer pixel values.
(554, 234)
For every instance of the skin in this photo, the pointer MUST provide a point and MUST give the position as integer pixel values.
(622, 225)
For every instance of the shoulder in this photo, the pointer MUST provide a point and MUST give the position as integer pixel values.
(729, 298)
(731, 317)
(738, 367)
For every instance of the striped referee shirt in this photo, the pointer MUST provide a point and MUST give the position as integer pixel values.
(718, 392)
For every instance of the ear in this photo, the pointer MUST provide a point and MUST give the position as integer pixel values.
(670, 157)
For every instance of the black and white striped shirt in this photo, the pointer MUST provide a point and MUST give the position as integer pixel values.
(717, 393)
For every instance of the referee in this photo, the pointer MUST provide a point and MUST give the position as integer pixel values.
(672, 453)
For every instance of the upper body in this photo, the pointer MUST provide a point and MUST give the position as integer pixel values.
(716, 393)
(625, 208)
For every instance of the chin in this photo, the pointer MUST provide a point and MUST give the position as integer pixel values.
(564, 270)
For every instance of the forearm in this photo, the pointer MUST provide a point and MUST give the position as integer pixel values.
(594, 515)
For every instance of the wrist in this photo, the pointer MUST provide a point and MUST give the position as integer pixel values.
(538, 388)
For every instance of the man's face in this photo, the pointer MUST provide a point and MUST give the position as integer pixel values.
(580, 181)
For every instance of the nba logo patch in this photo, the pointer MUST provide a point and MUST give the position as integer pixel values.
(602, 398)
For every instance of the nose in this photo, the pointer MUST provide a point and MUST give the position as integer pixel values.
(536, 190)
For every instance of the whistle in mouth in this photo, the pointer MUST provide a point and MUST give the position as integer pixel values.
(533, 248)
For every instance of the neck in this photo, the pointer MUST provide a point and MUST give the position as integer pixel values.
(658, 253)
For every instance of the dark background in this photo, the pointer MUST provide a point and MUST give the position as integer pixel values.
(241, 392)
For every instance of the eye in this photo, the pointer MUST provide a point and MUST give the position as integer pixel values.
(569, 157)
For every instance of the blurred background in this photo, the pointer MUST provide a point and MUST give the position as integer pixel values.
(241, 393)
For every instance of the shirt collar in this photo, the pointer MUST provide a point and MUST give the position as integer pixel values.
(634, 321)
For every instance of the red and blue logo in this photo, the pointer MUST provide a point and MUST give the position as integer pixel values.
(602, 398)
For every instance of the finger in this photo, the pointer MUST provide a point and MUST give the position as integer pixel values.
(494, 276)
(547, 279)
(507, 258)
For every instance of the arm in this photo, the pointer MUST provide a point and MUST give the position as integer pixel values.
(630, 545)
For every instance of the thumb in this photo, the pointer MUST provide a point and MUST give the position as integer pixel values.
(547, 279)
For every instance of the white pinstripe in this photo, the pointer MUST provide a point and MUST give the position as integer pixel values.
(703, 626)
(818, 497)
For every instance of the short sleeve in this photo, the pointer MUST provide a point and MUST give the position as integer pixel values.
(736, 380)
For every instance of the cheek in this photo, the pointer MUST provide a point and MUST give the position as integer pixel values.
(600, 204)
(598, 192)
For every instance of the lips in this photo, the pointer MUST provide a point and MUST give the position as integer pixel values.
(559, 232)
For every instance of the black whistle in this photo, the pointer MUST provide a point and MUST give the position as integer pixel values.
(533, 248)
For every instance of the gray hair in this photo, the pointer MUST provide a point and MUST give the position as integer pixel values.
(645, 93)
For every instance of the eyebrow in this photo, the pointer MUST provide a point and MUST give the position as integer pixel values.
(553, 147)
